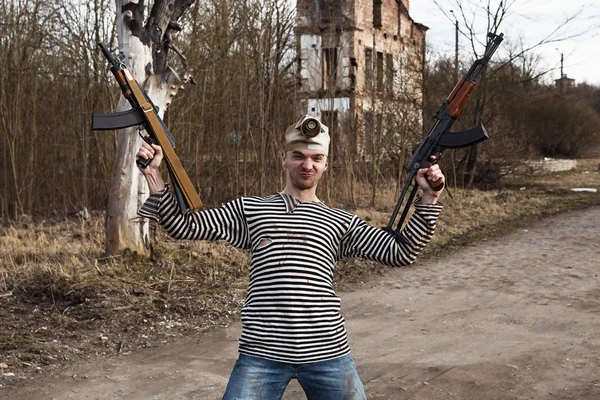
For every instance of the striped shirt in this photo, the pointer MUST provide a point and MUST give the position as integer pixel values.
(291, 312)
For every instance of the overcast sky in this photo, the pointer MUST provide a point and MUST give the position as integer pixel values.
(529, 22)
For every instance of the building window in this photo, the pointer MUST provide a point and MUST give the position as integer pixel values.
(330, 67)
(377, 13)
(368, 69)
(379, 72)
(389, 74)
(330, 10)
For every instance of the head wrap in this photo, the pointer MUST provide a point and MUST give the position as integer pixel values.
(308, 133)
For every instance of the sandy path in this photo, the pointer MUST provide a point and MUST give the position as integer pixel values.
(511, 318)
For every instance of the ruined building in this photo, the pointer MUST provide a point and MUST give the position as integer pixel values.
(360, 68)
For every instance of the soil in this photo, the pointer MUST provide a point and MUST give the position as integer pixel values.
(513, 317)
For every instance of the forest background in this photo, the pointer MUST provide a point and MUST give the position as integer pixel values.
(228, 124)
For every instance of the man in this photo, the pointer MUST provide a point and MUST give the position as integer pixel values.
(291, 324)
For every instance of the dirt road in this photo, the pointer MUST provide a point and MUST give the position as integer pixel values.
(512, 318)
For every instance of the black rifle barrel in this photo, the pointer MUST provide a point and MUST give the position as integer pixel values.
(479, 64)
(107, 54)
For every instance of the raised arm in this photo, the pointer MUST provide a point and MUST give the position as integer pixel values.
(400, 249)
(223, 223)
(363, 240)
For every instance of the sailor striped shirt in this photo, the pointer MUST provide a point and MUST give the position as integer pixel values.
(291, 312)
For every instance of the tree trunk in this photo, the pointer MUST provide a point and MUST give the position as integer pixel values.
(144, 49)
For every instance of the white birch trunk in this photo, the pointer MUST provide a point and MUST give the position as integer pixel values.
(124, 229)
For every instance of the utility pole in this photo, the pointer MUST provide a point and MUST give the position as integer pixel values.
(455, 47)
(562, 73)
(561, 65)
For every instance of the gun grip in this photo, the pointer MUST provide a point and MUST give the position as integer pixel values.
(143, 162)
(455, 140)
(437, 185)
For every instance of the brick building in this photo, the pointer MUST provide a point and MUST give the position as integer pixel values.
(360, 63)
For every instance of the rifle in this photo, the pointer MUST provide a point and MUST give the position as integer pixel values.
(144, 114)
(440, 138)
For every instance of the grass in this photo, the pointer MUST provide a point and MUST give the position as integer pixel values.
(61, 298)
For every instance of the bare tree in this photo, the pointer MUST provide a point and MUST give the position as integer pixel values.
(245, 95)
(25, 27)
(145, 46)
(476, 18)
(228, 128)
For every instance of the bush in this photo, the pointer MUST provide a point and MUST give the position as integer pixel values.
(561, 128)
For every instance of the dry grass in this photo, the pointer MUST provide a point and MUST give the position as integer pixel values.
(61, 299)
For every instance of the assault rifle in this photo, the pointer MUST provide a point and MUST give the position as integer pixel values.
(440, 138)
(144, 114)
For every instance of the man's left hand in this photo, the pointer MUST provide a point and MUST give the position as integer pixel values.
(432, 182)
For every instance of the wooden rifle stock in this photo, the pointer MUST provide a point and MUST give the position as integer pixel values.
(458, 98)
(145, 111)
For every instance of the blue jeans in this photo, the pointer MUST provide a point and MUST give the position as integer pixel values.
(255, 378)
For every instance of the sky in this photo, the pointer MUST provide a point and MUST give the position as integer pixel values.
(527, 22)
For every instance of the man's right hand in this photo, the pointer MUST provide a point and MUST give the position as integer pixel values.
(152, 172)
(150, 152)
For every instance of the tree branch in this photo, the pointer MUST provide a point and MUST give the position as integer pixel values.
(162, 23)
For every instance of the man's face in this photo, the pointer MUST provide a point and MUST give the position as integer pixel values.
(304, 167)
